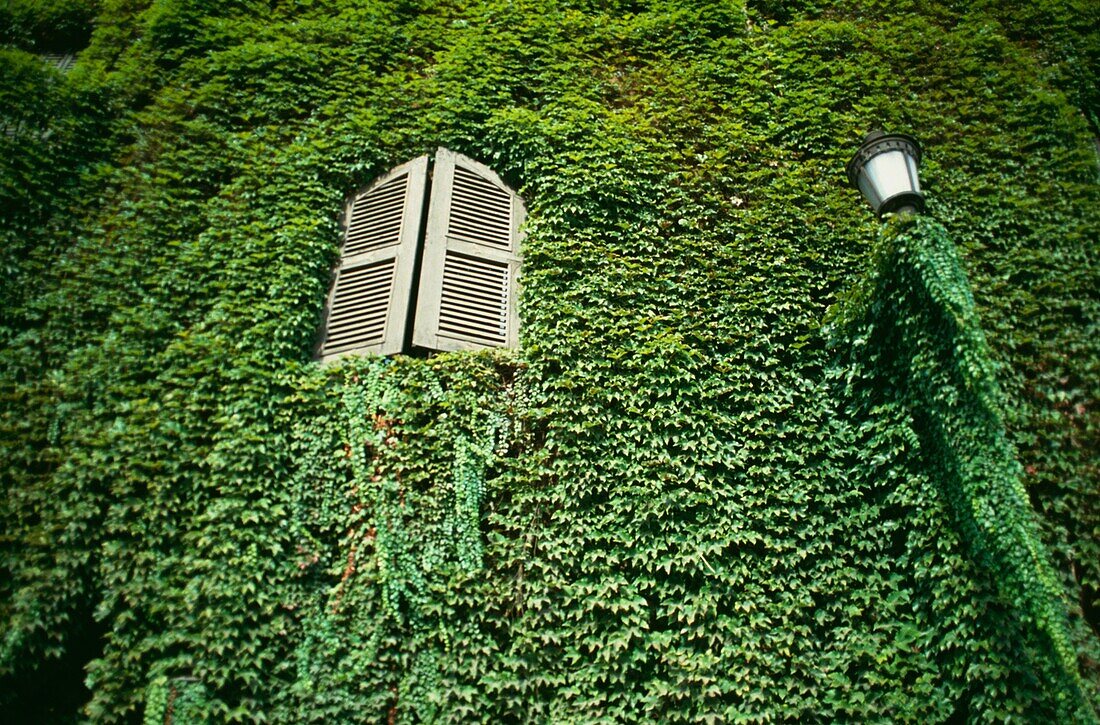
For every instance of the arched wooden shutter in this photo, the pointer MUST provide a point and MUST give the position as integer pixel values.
(62, 61)
(467, 295)
(369, 303)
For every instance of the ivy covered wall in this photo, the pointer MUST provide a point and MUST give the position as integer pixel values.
(754, 460)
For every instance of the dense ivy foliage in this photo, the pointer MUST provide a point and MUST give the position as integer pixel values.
(916, 355)
(685, 498)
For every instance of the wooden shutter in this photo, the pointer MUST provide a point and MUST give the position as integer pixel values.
(62, 61)
(467, 295)
(369, 303)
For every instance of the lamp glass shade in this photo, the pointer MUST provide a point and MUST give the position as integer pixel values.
(885, 172)
(887, 175)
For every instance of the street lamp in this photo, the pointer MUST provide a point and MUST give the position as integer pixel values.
(884, 169)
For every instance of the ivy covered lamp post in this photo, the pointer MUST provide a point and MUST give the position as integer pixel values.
(884, 170)
(930, 350)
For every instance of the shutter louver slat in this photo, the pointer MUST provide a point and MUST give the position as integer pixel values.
(480, 210)
(370, 298)
(360, 304)
(488, 290)
(482, 201)
(62, 61)
(474, 303)
(376, 218)
(476, 216)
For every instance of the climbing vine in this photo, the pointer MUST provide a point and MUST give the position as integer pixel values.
(683, 498)
(912, 339)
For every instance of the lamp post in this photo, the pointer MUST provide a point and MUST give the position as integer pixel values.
(884, 169)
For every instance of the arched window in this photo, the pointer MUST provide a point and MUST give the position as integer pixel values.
(432, 267)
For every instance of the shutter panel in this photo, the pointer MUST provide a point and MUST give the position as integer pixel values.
(467, 295)
(62, 61)
(369, 303)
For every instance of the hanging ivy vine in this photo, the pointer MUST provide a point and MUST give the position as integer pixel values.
(913, 340)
